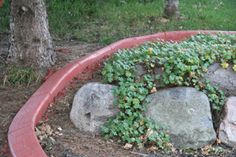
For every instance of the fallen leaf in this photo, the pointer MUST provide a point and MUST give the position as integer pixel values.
(52, 140)
(149, 132)
(224, 65)
(128, 146)
(49, 130)
(218, 141)
(205, 150)
(59, 128)
(63, 50)
(153, 90)
(152, 149)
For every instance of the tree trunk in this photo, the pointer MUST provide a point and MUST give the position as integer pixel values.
(31, 42)
(171, 9)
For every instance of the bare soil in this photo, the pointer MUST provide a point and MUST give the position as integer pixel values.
(13, 98)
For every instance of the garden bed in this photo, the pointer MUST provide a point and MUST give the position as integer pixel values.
(65, 140)
(122, 70)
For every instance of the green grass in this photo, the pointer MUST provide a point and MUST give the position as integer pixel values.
(106, 21)
(19, 75)
(4, 17)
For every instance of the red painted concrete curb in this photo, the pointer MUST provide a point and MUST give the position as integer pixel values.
(21, 135)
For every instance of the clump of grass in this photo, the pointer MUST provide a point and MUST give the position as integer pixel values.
(20, 76)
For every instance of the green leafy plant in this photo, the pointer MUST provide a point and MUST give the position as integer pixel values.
(164, 64)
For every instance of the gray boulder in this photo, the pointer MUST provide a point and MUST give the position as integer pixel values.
(227, 130)
(185, 113)
(225, 79)
(92, 107)
(140, 71)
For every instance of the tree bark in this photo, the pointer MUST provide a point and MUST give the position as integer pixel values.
(30, 39)
(171, 9)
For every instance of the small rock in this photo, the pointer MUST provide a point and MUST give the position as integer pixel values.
(49, 130)
(185, 113)
(140, 70)
(38, 132)
(92, 107)
(225, 79)
(227, 130)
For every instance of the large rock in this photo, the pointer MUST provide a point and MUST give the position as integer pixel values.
(225, 79)
(185, 113)
(227, 130)
(92, 106)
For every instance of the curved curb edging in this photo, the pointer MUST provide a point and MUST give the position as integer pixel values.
(22, 139)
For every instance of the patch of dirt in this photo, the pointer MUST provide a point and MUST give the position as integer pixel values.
(68, 51)
(13, 98)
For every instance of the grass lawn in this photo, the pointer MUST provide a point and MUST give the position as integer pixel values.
(105, 21)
